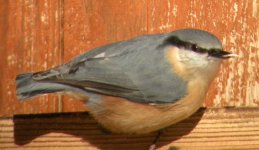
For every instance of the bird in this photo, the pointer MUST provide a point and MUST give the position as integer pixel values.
(140, 85)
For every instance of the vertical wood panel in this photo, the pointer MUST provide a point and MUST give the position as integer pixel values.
(91, 23)
(3, 39)
(32, 44)
(236, 24)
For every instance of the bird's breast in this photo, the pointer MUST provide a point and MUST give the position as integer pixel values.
(122, 116)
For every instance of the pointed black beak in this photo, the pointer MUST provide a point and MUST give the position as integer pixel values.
(221, 54)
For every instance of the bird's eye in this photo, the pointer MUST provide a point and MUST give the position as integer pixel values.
(197, 49)
(194, 47)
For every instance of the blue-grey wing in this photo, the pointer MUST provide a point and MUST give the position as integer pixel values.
(134, 69)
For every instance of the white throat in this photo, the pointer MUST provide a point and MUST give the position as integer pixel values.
(198, 64)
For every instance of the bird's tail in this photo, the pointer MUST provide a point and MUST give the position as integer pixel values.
(27, 87)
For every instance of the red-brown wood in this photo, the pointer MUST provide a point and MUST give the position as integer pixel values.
(235, 23)
(3, 39)
(32, 44)
(91, 23)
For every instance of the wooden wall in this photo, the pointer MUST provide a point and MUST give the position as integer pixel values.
(39, 34)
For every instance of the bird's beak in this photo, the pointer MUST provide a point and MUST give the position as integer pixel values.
(222, 54)
(226, 55)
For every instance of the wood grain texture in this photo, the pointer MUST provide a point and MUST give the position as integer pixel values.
(232, 128)
(3, 39)
(91, 23)
(39, 34)
(235, 23)
(32, 44)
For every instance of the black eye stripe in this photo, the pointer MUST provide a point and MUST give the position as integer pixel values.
(190, 46)
(195, 48)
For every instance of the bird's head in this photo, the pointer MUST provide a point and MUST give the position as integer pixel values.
(197, 50)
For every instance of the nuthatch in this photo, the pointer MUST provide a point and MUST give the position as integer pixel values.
(140, 85)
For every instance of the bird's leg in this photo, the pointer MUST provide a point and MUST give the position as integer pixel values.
(104, 130)
(153, 146)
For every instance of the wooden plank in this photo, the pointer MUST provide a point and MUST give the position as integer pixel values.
(33, 37)
(32, 44)
(232, 128)
(236, 24)
(3, 39)
(90, 23)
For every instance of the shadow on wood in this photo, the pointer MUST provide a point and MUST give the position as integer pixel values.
(28, 128)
